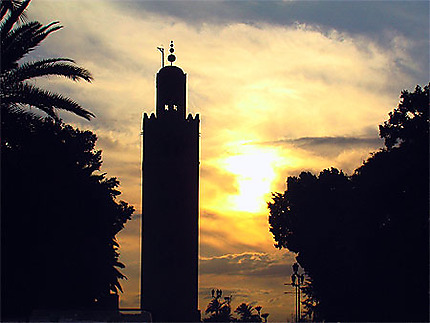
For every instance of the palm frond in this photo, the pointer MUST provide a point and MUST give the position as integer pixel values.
(17, 40)
(27, 94)
(48, 67)
(23, 39)
(5, 6)
(118, 286)
(8, 21)
(14, 45)
(52, 60)
(52, 26)
(115, 285)
(50, 111)
(19, 113)
(17, 32)
(10, 6)
(119, 265)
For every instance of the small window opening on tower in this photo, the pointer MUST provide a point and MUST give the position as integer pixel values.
(170, 107)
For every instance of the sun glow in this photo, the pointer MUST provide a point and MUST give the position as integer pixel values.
(254, 168)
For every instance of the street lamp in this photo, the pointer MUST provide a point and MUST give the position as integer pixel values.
(297, 281)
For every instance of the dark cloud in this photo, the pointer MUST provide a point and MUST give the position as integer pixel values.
(368, 17)
(250, 264)
(378, 20)
(330, 146)
(337, 141)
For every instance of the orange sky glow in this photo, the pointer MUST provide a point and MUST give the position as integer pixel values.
(274, 100)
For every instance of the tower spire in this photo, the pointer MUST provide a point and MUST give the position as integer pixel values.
(170, 202)
(171, 58)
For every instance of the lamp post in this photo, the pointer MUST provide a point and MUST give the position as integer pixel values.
(297, 281)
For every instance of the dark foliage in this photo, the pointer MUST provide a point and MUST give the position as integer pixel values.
(363, 239)
(59, 217)
(408, 124)
(219, 310)
(247, 313)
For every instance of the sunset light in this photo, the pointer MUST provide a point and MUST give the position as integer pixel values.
(254, 168)
(275, 88)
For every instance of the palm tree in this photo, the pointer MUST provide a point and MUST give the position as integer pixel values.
(220, 311)
(245, 312)
(18, 38)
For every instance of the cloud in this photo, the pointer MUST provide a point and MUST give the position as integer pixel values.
(248, 263)
(223, 234)
(348, 16)
(215, 184)
(254, 278)
(381, 21)
(330, 146)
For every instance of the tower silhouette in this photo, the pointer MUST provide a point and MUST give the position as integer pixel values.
(170, 201)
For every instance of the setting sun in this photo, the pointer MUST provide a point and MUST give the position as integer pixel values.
(255, 173)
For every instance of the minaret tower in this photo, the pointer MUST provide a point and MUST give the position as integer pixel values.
(170, 202)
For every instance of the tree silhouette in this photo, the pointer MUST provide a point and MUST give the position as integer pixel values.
(18, 38)
(363, 239)
(220, 310)
(59, 218)
(408, 124)
(307, 219)
(246, 313)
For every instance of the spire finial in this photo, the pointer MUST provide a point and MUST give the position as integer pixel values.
(171, 58)
(161, 49)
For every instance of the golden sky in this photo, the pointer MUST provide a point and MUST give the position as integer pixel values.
(281, 87)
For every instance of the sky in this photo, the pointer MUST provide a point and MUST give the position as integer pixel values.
(281, 87)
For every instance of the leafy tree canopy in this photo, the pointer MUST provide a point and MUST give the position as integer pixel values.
(59, 214)
(59, 217)
(409, 122)
(363, 239)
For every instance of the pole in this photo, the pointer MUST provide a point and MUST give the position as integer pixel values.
(298, 303)
(296, 306)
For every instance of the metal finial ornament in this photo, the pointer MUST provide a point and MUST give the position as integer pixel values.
(161, 49)
(171, 58)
